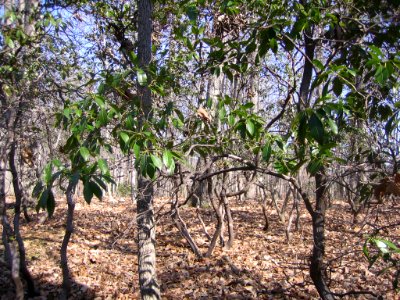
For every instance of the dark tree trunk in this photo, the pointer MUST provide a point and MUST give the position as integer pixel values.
(17, 213)
(66, 283)
(317, 268)
(149, 288)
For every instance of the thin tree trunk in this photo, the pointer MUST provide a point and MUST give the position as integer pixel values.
(264, 209)
(17, 213)
(231, 231)
(15, 264)
(218, 229)
(180, 224)
(317, 268)
(4, 220)
(149, 287)
(66, 283)
(202, 223)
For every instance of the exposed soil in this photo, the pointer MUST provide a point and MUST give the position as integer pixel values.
(261, 265)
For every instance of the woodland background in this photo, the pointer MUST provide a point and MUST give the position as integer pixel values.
(199, 149)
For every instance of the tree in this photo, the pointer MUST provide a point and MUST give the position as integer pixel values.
(149, 287)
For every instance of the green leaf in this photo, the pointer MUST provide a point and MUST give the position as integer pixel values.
(136, 150)
(222, 113)
(87, 192)
(84, 153)
(9, 42)
(280, 167)
(191, 12)
(96, 190)
(142, 77)
(171, 168)
(51, 204)
(266, 152)
(150, 168)
(337, 86)
(314, 166)
(231, 120)
(48, 170)
(167, 158)
(247, 105)
(316, 128)
(382, 246)
(156, 161)
(250, 127)
(333, 126)
(318, 64)
(124, 136)
(37, 190)
(100, 182)
(102, 163)
(381, 75)
(103, 117)
(42, 203)
(302, 129)
(100, 101)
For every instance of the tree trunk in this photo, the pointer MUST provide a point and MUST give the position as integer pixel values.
(66, 284)
(17, 213)
(4, 219)
(317, 268)
(15, 263)
(149, 288)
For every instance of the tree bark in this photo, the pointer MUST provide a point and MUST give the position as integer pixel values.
(17, 213)
(15, 263)
(317, 267)
(66, 284)
(149, 288)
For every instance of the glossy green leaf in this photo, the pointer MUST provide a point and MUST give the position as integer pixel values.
(302, 129)
(231, 120)
(37, 190)
(250, 127)
(150, 168)
(168, 158)
(96, 190)
(100, 101)
(51, 204)
(316, 128)
(136, 150)
(42, 203)
(87, 192)
(102, 163)
(337, 86)
(142, 77)
(124, 136)
(100, 182)
(9, 42)
(318, 64)
(47, 173)
(314, 166)
(156, 161)
(191, 12)
(333, 126)
(84, 153)
(266, 152)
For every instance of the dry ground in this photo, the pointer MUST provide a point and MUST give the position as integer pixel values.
(261, 265)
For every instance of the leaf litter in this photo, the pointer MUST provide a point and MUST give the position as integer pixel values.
(261, 265)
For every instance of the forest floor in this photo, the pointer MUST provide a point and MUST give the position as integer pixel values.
(260, 265)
